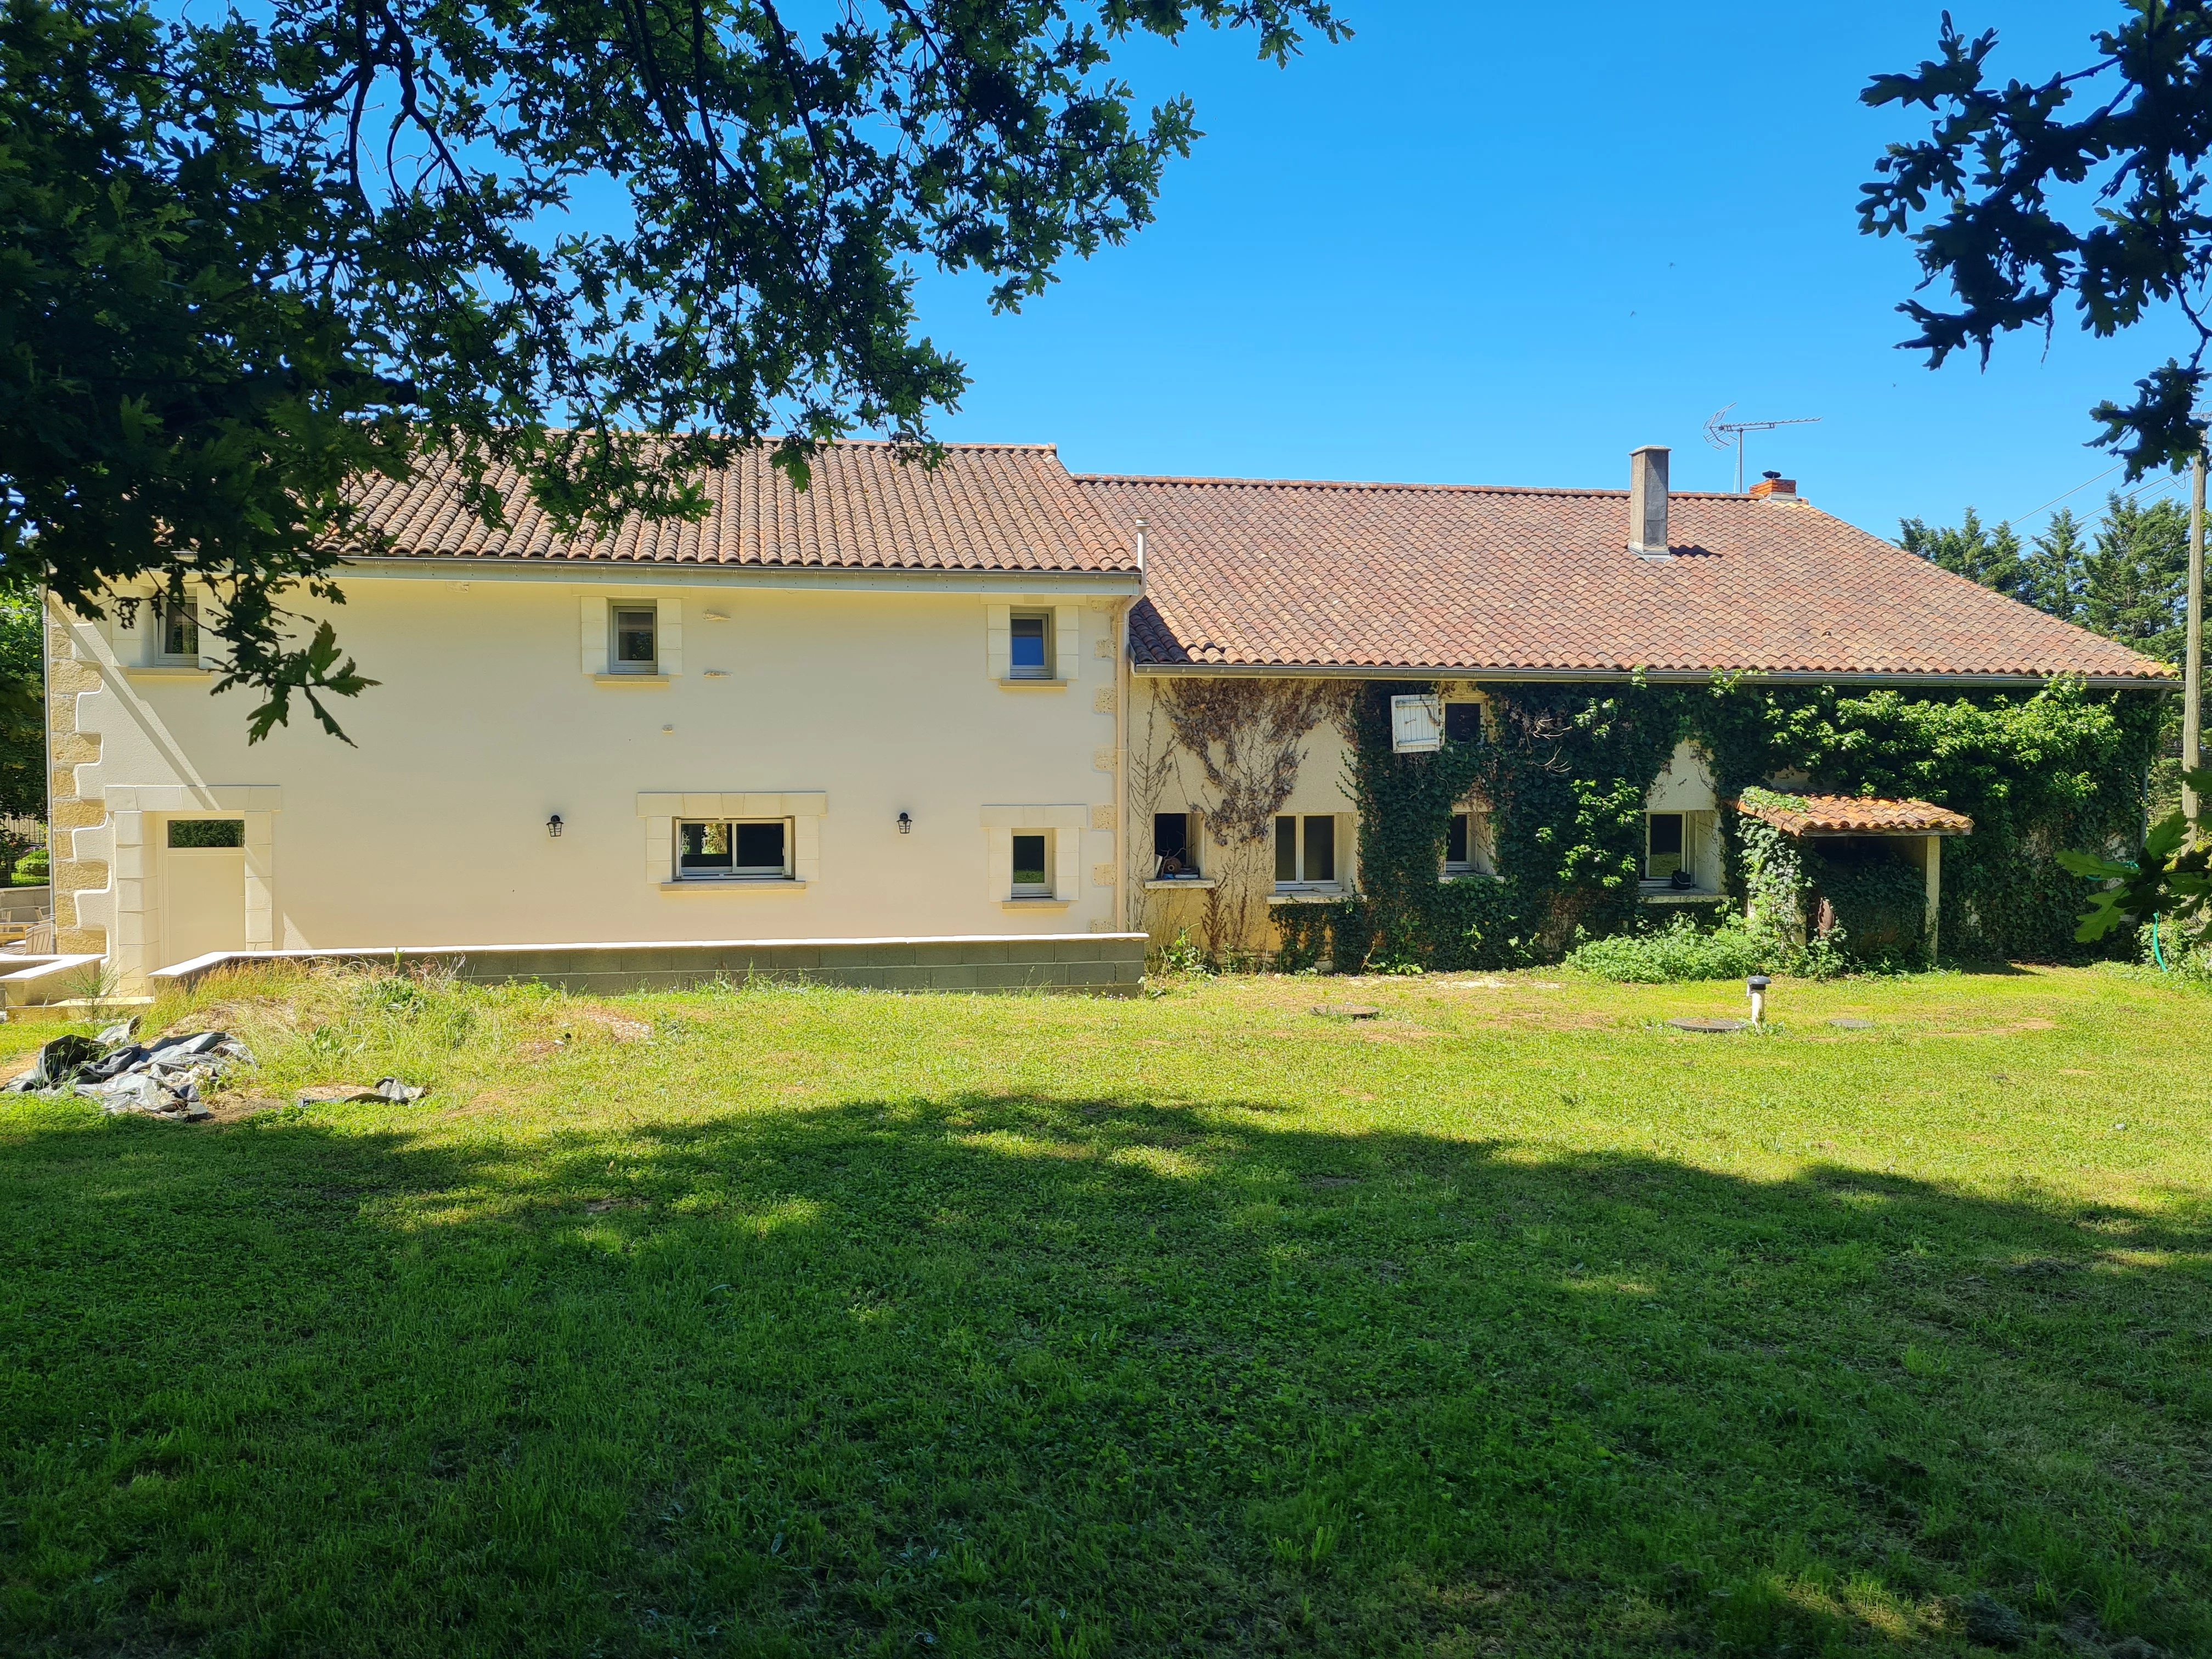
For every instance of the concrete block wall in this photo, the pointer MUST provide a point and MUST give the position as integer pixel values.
(1098, 965)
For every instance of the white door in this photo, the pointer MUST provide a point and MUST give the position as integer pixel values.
(202, 892)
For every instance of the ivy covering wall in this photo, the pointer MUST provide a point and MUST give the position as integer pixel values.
(1565, 770)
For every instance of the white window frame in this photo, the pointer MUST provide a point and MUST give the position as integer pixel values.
(802, 812)
(162, 606)
(1048, 670)
(617, 610)
(1481, 852)
(1302, 883)
(1019, 888)
(749, 872)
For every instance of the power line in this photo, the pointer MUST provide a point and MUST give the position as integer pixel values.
(2055, 500)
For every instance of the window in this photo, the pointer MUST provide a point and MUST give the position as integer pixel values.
(636, 641)
(177, 630)
(1467, 844)
(1031, 658)
(1463, 722)
(1174, 851)
(1305, 851)
(740, 849)
(1033, 865)
(1666, 849)
(207, 832)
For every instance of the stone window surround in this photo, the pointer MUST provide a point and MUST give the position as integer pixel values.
(999, 642)
(597, 639)
(1066, 823)
(137, 900)
(804, 808)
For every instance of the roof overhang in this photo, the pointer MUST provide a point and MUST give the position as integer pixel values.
(1651, 676)
(450, 568)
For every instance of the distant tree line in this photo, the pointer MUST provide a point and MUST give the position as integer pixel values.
(2127, 580)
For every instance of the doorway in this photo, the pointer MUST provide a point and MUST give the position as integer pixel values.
(202, 887)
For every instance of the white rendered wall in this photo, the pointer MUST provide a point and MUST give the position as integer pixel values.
(432, 830)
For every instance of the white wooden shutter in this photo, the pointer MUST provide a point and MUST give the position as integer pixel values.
(1417, 724)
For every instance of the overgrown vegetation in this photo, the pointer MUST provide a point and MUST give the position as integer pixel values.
(769, 1321)
(1566, 770)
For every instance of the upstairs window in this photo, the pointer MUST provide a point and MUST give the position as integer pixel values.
(738, 849)
(1463, 722)
(636, 640)
(1031, 646)
(1033, 865)
(1175, 849)
(1305, 851)
(193, 834)
(177, 631)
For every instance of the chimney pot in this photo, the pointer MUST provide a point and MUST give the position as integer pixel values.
(1647, 502)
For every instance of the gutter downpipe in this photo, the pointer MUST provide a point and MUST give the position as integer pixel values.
(1124, 682)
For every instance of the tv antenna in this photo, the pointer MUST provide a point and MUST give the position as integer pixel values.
(1729, 435)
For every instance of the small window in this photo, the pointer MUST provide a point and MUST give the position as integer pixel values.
(1463, 722)
(1175, 853)
(1033, 866)
(1467, 844)
(207, 832)
(745, 850)
(1305, 850)
(1664, 848)
(636, 641)
(1032, 646)
(177, 630)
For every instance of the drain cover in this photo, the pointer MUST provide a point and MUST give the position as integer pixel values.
(1852, 1024)
(1346, 1010)
(1707, 1024)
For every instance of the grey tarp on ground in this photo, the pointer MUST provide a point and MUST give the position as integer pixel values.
(162, 1079)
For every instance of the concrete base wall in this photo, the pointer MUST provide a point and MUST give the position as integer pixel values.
(1100, 964)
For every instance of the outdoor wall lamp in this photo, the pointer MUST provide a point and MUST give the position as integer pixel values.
(553, 826)
(906, 824)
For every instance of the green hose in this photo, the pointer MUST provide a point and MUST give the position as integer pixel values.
(2157, 955)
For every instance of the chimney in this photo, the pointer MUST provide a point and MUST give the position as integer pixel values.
(1775, 485)
(1647, 502)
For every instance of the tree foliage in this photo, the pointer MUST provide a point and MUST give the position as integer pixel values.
(579, 250)
(2084, 189)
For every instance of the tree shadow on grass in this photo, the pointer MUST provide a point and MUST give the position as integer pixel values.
(1078, 1377)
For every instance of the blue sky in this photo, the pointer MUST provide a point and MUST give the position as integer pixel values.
(1504, 245)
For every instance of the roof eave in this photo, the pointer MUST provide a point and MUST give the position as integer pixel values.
(1651, 676)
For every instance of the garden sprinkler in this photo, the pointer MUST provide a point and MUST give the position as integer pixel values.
(1757, 985)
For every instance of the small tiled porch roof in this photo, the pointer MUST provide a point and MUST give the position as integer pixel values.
(1854, 815)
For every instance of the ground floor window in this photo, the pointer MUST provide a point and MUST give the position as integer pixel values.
(1033, 865)
(1175, 848)
(1305, 851)
(1467, 844)
(729, 849)
(1680, 851)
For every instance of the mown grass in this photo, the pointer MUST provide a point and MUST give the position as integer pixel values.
(793, 1323)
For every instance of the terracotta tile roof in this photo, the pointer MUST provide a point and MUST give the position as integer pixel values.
(1350, 575)
(1847, 815)
(985, 507)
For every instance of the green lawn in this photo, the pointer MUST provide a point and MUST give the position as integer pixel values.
(1509, 1322)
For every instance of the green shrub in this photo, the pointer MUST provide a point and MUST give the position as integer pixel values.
(32, 869)
(1682, 950)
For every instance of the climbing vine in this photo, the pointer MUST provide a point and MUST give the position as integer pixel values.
(1565, 770)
